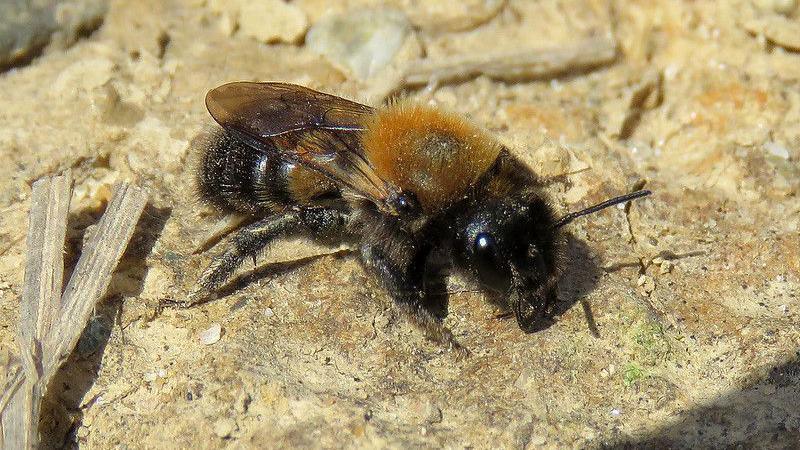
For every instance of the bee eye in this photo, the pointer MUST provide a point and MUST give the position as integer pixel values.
(491, 268)
(484, 243)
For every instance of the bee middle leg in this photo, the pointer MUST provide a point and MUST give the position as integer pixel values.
(249, 241)
(409, 296)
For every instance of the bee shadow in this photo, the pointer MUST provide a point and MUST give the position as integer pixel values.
(582, 273)
(761, 414)
(272, 270)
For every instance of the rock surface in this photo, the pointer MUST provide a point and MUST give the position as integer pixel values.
(360, 41)
(267, 21)
(27, 26)
(680, 317)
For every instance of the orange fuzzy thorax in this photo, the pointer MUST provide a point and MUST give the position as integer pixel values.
(434, 154)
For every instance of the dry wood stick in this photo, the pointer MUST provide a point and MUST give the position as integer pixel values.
(51, 323)
(14, 377)
(525, 64)
(44, 271)
(93, 272)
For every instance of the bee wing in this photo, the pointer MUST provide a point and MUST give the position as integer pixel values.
(263, 110)
(315, 129)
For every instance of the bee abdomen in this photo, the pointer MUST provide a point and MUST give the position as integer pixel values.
(235, 177)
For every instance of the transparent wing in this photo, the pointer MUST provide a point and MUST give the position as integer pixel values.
(319, 130)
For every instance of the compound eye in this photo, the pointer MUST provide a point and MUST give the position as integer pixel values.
(484, 244)
(492, 270)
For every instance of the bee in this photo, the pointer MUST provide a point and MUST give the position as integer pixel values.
(412, 187)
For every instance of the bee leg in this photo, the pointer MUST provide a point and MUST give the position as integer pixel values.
(409, 296)
(252, 239)
(433, 328)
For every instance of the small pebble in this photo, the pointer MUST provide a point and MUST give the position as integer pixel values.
(83, 432)
(269, 312)
(272, 21)
(153, 376)
(224, 427)
(452, 15)
(243, 400)
(211, 335)
(268, 21)
(646, 284)
(363, 42)
(775, 149)
(537, 441)
(615, 412)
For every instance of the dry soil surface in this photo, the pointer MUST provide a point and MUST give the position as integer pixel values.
(679, 316)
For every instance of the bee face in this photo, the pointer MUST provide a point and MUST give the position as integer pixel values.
(512, 248)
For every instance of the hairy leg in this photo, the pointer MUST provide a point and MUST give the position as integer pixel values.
(406, 289)
(252, 239)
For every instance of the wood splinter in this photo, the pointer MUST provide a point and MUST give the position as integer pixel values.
(524, 64)
(51, 322)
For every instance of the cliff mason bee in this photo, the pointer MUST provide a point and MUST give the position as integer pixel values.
(412, 187)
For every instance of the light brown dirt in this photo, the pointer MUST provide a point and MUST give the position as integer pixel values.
(693, 293)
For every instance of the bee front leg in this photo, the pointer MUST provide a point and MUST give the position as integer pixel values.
(405, 288)
(252, 239)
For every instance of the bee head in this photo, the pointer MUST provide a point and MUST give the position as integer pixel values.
(513, 246)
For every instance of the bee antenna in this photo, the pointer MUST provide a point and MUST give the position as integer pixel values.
(592, 209)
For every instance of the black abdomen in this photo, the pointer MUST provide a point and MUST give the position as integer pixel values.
(236, 177)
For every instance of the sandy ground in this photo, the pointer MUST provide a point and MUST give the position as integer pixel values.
(679, 323)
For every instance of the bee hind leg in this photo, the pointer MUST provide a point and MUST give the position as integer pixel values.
(433, 328)
(250, 240)
(409, 297)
